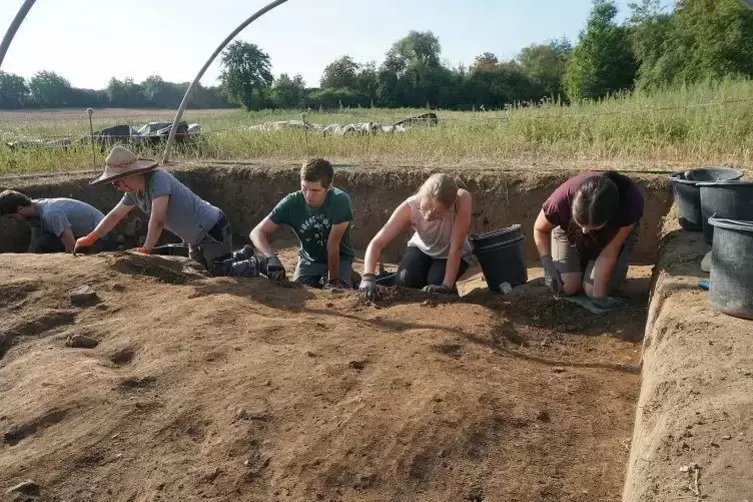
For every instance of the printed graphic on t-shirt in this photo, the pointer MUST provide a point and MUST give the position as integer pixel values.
(315, 230)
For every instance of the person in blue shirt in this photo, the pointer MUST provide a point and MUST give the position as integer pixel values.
(55, 223)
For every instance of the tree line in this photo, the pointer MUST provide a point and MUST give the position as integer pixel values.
(47, 89)
(653, 48)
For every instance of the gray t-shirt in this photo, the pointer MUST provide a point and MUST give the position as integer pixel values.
(188, 216)
(58, 215)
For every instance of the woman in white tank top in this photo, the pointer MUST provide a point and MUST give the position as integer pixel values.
(439, 251)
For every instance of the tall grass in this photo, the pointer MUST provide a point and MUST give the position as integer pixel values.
(700, 124)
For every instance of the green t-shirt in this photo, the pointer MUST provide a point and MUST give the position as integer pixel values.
(312, 225)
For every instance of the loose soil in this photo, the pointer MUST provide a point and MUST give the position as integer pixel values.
(221, 389)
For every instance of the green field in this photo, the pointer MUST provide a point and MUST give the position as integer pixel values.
(703, 124)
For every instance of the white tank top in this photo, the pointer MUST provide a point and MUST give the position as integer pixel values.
(434, 237)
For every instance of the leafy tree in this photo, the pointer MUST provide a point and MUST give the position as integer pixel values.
(341, 74)
(651, 32)
(287, 92)
(412, 74)
(546, 64)
(388, 87)
(715, 38)
(485, 61)
(246, 75)
(416, 47)
(603, 61)
(48, 89)
(125, 94)
(366, 81)
(13, 91)
(161, 94)
(84, 98)
(501, 84)
(334, 98)
(206, 97)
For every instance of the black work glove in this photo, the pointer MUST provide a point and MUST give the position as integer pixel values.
(368, 287)
(274, 270)
(552, 277)
(336, 284)
(439, 289)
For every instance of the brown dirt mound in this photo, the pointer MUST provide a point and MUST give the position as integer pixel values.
(224, 390)
(693, 438)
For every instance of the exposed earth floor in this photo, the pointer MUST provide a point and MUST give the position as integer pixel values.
(221, 389)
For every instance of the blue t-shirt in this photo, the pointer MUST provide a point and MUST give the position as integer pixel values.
(188, 216)
(312, 225)
(60, 214)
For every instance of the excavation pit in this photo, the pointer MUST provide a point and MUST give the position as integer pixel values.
(246, 389)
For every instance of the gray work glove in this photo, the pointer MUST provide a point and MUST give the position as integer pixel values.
(439, 289)
(274, 269)
(552, 277)
(368, 287)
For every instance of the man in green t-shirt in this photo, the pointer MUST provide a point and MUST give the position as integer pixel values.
(320, 215)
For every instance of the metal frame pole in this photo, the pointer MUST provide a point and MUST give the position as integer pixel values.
(13, 28)
(187, 95)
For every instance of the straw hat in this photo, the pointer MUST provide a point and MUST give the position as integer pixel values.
(122, 163)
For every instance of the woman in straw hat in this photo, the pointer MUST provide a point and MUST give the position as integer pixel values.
(170, 205)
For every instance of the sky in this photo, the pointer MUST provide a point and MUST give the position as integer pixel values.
(90, 41)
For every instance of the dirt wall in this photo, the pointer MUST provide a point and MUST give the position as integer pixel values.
(247, 194)
(696, 397)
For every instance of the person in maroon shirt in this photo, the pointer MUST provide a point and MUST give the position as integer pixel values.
(586, 232)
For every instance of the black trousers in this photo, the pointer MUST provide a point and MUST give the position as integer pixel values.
(417, 269)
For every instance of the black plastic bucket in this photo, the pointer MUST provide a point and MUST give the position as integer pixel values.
(731, 272)
(503, 261)
(498, 236)
(726, 200)
(688, 195)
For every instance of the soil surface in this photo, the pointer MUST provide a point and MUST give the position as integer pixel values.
(223, 390)
(693, 435)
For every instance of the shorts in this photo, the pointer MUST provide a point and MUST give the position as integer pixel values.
(568, 260)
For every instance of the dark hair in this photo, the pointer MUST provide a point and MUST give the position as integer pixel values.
(597, 200)
(10, 201)
(318, 170)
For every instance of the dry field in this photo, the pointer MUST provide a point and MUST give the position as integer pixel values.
(700, 125)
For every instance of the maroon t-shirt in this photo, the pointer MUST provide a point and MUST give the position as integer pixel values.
(558, 211)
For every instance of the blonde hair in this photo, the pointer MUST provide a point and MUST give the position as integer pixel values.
(439, 188)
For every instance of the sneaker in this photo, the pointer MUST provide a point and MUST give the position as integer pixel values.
(244, 254)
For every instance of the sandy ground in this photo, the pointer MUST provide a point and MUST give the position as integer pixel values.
(223, 390)
(693, 437)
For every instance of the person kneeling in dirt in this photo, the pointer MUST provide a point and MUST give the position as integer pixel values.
(439, 251)
(586, 233)
(55, 223)
(170, 205)
(320, 215)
